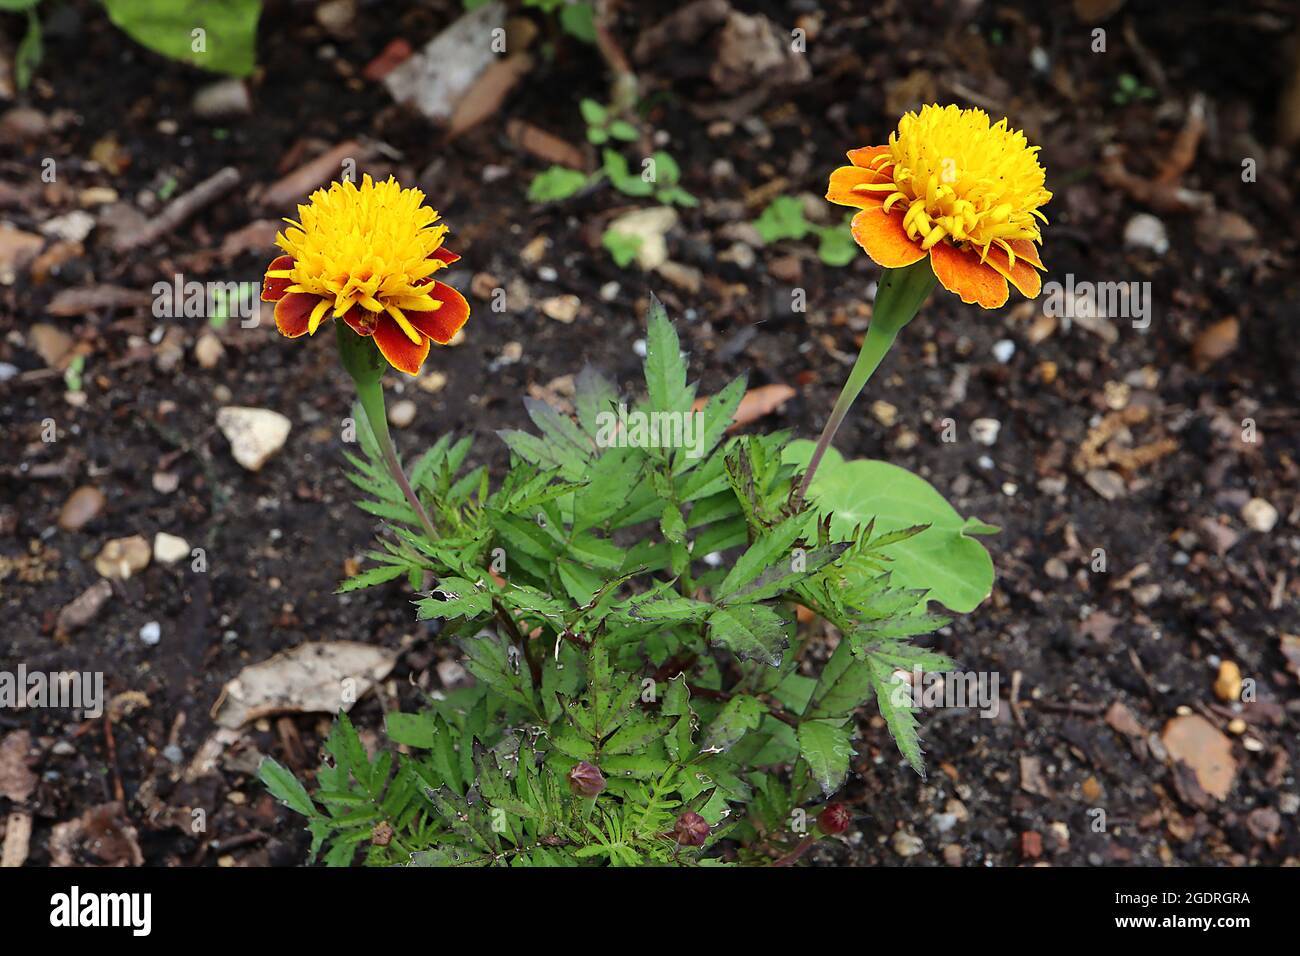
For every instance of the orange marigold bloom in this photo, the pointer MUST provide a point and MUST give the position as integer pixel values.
(953, 186)
(367, 255)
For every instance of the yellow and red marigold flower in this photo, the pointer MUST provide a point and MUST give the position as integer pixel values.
(952, 186)
(367, 255)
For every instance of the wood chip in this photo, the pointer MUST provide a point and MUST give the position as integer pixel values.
(297, 185)
(16, 779)
(18, 838)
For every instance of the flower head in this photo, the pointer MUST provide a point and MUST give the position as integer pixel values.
(834, 818)
(691, 829)
(586, 780)
(951, 185)
(367, 255)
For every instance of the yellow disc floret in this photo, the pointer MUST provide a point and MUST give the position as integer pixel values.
(963, 178)
(366, 246)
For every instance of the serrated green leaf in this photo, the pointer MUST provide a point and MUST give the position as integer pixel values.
(738, 716)
(825, 745)
(285, 787)
(665, 369)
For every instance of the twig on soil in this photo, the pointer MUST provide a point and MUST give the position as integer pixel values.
(18, 837)
(1014, 699)
(178, 210)
(1069, 707)
(118, 792)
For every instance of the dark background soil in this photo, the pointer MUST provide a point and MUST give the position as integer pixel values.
(1188, 582)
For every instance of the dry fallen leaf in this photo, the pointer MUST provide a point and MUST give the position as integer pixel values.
(1197, 742)
(757, 402)
(1215, 342)
(489, 91)
(103, 832)
(311, 678)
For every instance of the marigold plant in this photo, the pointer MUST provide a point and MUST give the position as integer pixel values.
(625, 594)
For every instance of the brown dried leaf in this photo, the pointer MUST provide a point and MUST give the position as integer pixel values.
(309, 678)
(757, 402)
(1199, 744)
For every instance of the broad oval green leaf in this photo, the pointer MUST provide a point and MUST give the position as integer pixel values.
(218, 35)
(945, 559)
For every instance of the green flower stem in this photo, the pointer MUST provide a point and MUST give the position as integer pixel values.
(366, 366)
(900, 296)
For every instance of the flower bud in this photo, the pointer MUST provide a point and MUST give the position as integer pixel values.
(586, 780)
(691, 829)
(834, 818)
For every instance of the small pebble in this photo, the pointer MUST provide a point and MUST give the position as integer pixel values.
(984, 431)
(208, 350)
(905, 844)
(1145, 231)
(561, 308)
(169, 548)
(1003, 349)
(402, 413)
(884, 413)
(82, 507)
(151, 633)
(1227, 686)
(1259, 515)
(120, 558)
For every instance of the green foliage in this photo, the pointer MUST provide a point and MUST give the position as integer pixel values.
(602, 126)
(556, 183)
(218, 35)
(1129, 89)
(784, 219)
(627, 603)
(576, 18)
(658, 177)
(622, 246)
(945, 557)
(31, 49)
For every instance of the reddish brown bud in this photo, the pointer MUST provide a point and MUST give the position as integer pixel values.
(834, 818)
(586, 780)
(691, 829)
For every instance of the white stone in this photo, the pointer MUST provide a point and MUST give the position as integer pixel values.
(151, 633)
(1145, 231)
(401, 413)
(650, 226)
(168, 548)
(984, 431)
(1003, 349)
(208, 350)
(70, 227)
(255, 434)
(1259, 515)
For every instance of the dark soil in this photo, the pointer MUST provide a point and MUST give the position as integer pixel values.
(1188, 583)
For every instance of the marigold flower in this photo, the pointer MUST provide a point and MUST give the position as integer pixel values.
(367, 255)
(952, 186)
